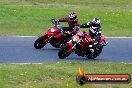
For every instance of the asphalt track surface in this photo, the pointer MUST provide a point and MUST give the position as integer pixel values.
(21, 50)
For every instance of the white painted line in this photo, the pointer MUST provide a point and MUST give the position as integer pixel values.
(44, 62)
(129, 63)
(24, 36)
(126, 63)
(118, 37)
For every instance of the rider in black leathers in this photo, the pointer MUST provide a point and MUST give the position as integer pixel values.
(94, 31)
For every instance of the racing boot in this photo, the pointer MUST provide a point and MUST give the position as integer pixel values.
(105, 43)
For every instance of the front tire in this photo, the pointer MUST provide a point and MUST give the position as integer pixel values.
(91, 56)
(63, 52)
(98, 49)
(39, 43)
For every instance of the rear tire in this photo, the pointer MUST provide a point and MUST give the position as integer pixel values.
(39, 43)
(63, 52)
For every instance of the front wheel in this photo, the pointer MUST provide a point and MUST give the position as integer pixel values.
(40, 42)
(63, 52)
(91, 56)
(98, 50)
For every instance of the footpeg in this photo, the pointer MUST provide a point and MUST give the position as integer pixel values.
(105, 43)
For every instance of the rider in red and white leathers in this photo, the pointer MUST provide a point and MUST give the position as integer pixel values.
(73, 24)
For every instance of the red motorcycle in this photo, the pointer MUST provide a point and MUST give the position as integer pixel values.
(48, 37)
(69, 47)
(81, 47)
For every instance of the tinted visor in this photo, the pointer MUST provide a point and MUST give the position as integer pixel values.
(95, 25)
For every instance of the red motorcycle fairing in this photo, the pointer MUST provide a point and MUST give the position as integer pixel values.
(71, 44)
(83, 44)
(89, 38)
(52, 31)
(86, 41)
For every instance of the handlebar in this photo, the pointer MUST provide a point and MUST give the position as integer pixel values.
(53, 21)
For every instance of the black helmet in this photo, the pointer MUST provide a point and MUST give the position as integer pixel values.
(73, 15)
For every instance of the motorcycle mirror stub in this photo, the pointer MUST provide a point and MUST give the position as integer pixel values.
(53, 21)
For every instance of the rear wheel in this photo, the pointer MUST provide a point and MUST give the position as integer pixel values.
(39, 43)
(63, 52)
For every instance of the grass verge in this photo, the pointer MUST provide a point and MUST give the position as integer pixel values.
(58, 75)
(32, 17)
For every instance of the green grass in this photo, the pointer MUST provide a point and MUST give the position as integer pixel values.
(58, 75)
(32, 17)
(85, 2)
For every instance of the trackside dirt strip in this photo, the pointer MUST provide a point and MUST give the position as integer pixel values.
(21, 50)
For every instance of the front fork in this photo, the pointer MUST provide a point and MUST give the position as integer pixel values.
(76, 44)
(50, 38)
